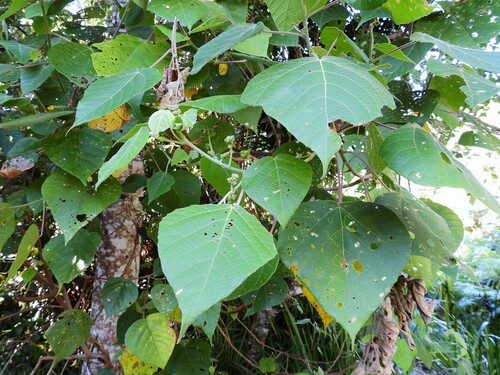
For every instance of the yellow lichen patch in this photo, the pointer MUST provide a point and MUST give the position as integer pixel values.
(358, 266)
(111, 121)
(134, 366)
(223, 69)
(326, 319)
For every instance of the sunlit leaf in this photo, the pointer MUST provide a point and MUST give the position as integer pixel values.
(408, 11)
(111, 121)
(188, 12)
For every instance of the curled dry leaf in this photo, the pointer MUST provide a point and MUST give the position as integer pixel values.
(418, 290)
(170, 92)
(111, 121)
(403, 308)
(15, 166)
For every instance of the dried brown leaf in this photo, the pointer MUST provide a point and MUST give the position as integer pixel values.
(15, 166)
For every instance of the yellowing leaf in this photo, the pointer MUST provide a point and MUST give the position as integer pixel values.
(112, 120)
(118, 172)
(176, 316)
(223, 69)
(326, 319)
(190, 92)
(134, 366)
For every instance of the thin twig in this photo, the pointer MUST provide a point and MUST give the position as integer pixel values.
(230, 343)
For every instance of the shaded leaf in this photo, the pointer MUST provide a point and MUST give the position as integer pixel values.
(185, 192)
(23, 251)
(216, 175)
(221, 245)
(323, 90)
(74, 61)
(151, 340)
(33, 77)
(33, 119)
(418, 156)
(347, 256)
(21, 52)
(208, 320)
(159, 184)
(7, 223)
(270, 294)
(66, 261)
(218, 103)
(415, 52)
(278, 184)
(72, 205)
(190, 357)
(485, 140)
(118, 294)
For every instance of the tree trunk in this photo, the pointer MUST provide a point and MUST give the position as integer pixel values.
(118, 256)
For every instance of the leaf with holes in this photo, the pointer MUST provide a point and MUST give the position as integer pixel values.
(73, 60)
(81, 152)
(418, 156)
(118, 294)
(151, 340)
(306, 94)
(188, 12)
(278, 184)
(221, 246)
(106, 94)
(163, 298)
(347, 256)
(223, 42)
(67, 334)
(72, 205)
(114, 120)
(67, 261)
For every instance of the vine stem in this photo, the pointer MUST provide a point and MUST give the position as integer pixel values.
(187, 142)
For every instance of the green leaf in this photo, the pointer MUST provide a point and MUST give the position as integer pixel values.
(404, 356)
(185, 192)
(278, 184)
(270, 294)
(81, 152)
(190, 357)
(106, 94)
(14, 7)
(72, 205)
(466, 24)
(163, 298)
(489, 61)
(367, 15)
(208, 320)
(236, 10)
(127, 152)
(7, 223)
(418, 156)
(323, 90)
(408, 11)
(74, 61)
(343, 44)
(221, 245)
(33, 120)
(392, 50)
(373, 142)
(160, 121)
(216, 175)
(66, 261)
(333, 12)
(21, 52)
(211, 133)
(256, 45)
(218, 103)
(268, 364)
(430, 233)
(68, 333)
(477, 88)
(159, 184)
(151, 340)
(24, 250)
(415, 52)
(118, 294)
(124, 53)
(287, 13)
(33, 77)
(480, 138)
(223, 42)
(348, 256)
(188, 12)
(366, 4)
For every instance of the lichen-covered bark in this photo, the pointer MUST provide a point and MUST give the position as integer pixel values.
(118, 256)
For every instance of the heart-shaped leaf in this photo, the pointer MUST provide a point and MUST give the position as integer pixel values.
(74, 61)
(347, 256)
(188, 12)
(118, 294)
(72, 205)
(221, 246)
(306, 94)
(163, 298)
(159, 184)
(278, 184)
(418, 156)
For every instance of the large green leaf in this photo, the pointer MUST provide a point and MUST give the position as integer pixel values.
(479, 58)
(67, 334)
(66, 261)
(418, 156)
(106, 94)
(188, 12)
(72, 205)
(306, 94)
(185, 192)
(159, 184)
(218, 103)
(223, 42)
(127, 152)
(221, 246)
(287, 13)
(118, 294)
(278, 184)
(81, 152)
(190, 357)
(477, 88)
(14, 7)
(216, 175)
(124, 53)
(24, 249)
(21, 52)
(430, 233)
(74, 61)
(151, 340)
(33, 77)
(347, 256)
(466, 24)
(408, 11)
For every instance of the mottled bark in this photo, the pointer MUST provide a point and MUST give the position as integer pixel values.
(118, 256)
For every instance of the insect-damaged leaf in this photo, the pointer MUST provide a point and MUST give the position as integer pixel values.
(348, 256)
